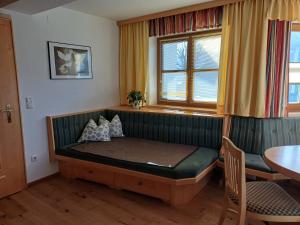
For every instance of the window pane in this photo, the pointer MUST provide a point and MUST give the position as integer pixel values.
(174, 86)
(207, 52)
(294, 80)
(294, 93)
(295, 47)
(294, 75)
(205, 86)
(174, 55)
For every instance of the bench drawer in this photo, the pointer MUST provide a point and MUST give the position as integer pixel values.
(101, 176)
(143, 186)
(86, 173)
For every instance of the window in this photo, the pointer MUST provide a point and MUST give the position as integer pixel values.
(174, 70)
(188, 69)
(294, 75)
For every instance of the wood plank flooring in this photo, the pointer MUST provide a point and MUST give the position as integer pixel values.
(60, 201)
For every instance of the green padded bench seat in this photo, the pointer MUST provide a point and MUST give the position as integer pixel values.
(190, 167)
(255, 135)
(254, 161)
(202, 131)
(173, 128)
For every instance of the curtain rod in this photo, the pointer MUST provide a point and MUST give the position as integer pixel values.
(185, 9)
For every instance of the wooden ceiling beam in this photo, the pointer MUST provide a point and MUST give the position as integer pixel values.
(6, 2)
(186, 9)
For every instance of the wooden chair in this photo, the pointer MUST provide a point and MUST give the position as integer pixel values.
(264, 201)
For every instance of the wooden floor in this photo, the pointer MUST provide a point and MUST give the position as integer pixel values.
(58, 201)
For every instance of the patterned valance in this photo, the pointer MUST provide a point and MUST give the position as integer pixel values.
(187, 22)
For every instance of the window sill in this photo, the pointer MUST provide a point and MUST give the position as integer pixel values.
(185, 108)
(166, 109)
(293, 110)
(294, 114)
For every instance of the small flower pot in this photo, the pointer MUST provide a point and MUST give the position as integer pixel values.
(136, 105)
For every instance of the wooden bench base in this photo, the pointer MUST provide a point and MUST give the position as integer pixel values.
(174, 192)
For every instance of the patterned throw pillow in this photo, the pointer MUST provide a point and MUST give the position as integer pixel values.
(115, 126)
(92, 132)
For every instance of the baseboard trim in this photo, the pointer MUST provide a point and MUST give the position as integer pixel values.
(42, 179)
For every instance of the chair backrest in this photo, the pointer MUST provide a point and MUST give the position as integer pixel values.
(235, 178)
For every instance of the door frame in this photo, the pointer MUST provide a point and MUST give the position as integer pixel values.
(9, 18)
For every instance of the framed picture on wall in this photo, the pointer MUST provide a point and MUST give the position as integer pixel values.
(68, 61)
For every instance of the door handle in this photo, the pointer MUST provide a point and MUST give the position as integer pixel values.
(8, 109)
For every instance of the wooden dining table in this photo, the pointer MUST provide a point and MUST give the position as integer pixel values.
(285, 160)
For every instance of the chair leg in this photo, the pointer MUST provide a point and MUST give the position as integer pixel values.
(222, 180)
(224, 211)
(222, 218)
(241, 217)
(241, 220)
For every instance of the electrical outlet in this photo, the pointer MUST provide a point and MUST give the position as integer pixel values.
(29, 103)
(34, 158)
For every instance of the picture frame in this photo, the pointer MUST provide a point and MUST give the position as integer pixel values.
(69, 61)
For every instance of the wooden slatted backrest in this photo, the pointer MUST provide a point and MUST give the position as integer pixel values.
(235, 178)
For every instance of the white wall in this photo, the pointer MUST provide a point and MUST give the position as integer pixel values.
(51, 97)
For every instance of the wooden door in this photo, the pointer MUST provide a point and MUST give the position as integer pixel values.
(12, 170)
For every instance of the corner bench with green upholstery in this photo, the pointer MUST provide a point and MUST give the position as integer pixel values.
(202, 131)
(255, 135)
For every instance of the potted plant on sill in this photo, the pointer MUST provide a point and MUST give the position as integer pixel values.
(136, 99)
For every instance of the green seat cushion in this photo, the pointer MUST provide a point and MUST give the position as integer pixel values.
(190, 167)
(254, 161)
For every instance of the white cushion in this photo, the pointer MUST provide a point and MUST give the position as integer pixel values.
(92, 132)
(115, 126)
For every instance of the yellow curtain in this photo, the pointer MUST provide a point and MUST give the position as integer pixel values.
(133, 65)
(288, 10)
(243, 60)
(227, 43)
